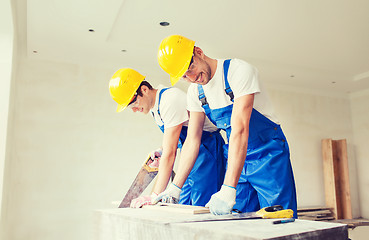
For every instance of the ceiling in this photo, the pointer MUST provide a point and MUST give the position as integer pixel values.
(312, 44)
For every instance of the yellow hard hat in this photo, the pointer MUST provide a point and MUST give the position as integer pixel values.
(174, 56)
(123, 86)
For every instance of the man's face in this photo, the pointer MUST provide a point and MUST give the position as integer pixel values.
(140, 103)
(198, 72)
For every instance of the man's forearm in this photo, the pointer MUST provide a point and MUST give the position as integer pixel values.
(241, 114)
(236, 157)
(189, 155)
(164, 173)
(170, 143)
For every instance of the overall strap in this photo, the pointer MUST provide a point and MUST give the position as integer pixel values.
(227, 89)
(204, 102)
(160, 93)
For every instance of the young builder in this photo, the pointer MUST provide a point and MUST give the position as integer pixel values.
(230, 94)
(168, 108)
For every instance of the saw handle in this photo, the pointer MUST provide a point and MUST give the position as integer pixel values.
(147, 167)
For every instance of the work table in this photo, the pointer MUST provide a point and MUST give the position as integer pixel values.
(127, 223)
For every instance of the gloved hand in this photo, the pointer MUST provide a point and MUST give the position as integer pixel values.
(223, 201)
(170, 195)
(143, 200)
(155, 156)
(156, 153)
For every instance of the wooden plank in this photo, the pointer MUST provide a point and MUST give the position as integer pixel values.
(319, 212)
(317, 219)
(352, 223)
(342, 180)
(329, 179)
(178, 208)
(336, 178)
(309, 209)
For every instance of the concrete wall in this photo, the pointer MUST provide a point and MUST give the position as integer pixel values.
(307, 118)
(71, 153)
(6, 59)
(360, 122)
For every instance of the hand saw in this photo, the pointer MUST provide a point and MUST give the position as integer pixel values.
(275, 211)
(142, 180)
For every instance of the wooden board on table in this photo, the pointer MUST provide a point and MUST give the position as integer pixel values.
(178, 208)
(312, 209)
(353, 223)
(315, 213)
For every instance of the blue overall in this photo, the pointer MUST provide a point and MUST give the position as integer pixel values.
(207, 174)
(267, 177)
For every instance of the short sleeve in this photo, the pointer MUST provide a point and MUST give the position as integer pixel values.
(173, 107)
(193, 102)
(243, 78)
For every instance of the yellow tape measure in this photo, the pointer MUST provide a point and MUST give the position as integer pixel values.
(276, 211)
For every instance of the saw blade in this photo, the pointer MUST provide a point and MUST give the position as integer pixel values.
(228, 217)
(142, 180)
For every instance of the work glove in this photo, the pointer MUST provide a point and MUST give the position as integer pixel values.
(143, 200)
(170, 195)
(155, 156)
(223, 201)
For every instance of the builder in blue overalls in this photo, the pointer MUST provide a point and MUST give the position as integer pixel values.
(228, 92)
(168, 108)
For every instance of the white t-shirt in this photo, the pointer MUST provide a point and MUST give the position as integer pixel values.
(243, 80)
(173, 109)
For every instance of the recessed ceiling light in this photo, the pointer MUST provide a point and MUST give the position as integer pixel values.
(34, 51)
(91, 30)
(123, 50)
(164, 24)
(292, 76)
(333, 82)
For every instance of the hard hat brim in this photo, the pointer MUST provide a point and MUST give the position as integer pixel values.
(174, 80)
(120, 108)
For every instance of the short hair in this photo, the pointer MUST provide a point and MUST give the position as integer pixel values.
(143, 83)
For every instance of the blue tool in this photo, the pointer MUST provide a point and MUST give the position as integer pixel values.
(284, 221)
